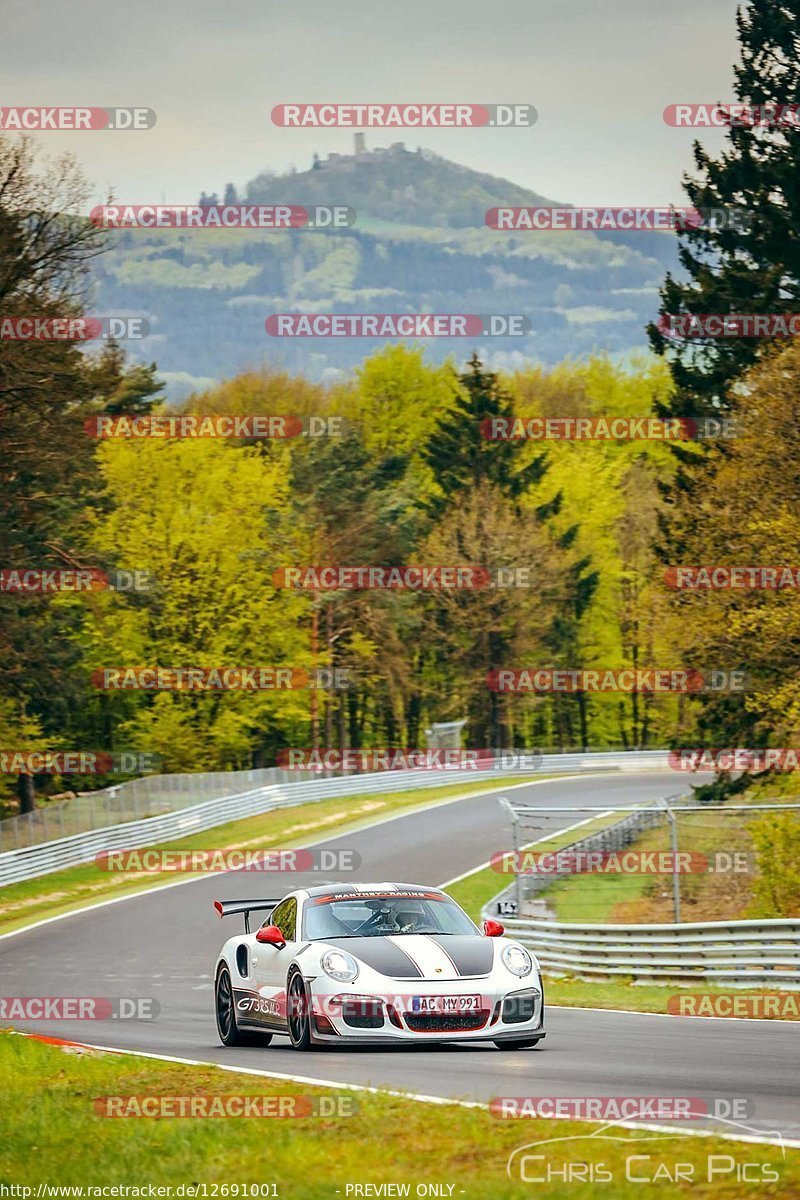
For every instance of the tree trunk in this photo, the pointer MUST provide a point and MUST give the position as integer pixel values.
(26, 793)
(314, 691)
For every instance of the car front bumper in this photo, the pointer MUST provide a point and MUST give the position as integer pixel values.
(507, 1014)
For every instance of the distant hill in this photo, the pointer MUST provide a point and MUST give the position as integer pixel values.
(397, 185)
(419, 245)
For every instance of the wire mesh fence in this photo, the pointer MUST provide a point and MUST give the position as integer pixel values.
(672, 860)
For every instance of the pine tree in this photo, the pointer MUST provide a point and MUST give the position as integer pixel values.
(459, 454)
(753, 265)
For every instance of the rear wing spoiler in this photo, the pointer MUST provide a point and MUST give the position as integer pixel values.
(228, 908)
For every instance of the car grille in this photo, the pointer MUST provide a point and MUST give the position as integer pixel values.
(445, 1022)
(363, 1014)
(519, 1007)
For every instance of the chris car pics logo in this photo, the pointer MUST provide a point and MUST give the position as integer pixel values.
(615, 1153)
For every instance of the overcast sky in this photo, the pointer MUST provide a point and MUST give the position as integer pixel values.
(600, 72)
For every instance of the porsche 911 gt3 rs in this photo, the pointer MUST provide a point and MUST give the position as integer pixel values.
(373, 963)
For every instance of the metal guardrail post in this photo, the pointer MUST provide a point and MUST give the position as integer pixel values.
(676, 879)
(517, 879)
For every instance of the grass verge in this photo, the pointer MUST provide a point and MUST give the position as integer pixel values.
(53, 1135)
(50, 895)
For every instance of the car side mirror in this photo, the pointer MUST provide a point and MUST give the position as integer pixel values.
(493, 929)
(270, 935)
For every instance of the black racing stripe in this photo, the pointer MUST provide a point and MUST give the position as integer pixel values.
(469, 955)
(380, 954)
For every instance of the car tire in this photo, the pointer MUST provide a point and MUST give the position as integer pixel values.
(229, 1032)
(298, 1012)
(517, 1043)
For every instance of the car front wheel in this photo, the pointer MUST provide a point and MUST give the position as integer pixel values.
(299, 1012)
(229, 1032)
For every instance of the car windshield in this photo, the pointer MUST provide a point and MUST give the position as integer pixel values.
(383, 914)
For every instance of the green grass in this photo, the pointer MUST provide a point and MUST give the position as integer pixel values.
(51, 1133)
(590, 899)
(49, 895)
(596, 898)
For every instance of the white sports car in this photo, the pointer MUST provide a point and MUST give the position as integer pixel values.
(372, 963)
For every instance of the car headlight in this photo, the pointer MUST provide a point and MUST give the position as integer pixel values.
(517, 960)
(340, 966)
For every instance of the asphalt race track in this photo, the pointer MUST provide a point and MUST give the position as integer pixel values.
(164, 944)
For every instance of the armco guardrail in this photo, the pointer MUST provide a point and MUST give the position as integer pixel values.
(733, 952)
(29, 861)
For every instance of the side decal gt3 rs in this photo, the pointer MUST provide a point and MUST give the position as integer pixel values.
(253, 1009)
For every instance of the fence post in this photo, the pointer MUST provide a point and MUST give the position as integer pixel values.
(676, 879)
(517, 880)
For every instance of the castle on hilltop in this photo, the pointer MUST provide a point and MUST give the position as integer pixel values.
(362, 154)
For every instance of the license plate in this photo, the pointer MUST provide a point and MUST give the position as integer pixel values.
(445, 1004)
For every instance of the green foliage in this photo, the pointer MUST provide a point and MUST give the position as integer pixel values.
(205, 519)
(460, 455)
(752, 266)
(776, 837)
(738, 506)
